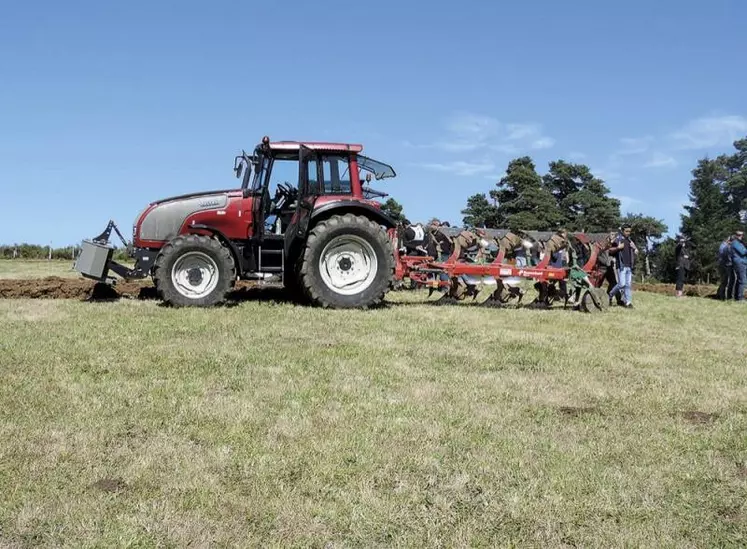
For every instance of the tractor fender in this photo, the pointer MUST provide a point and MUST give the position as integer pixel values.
(223, 240)
(337, 207)
(340, 207)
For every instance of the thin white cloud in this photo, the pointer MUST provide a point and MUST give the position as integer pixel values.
(521, 131)
(607, 175)
(460, 167)
(576, 156)
(457, 146)
(634, 145)
(660, 160)
(471, 132)
(505, 148)
(543, 143)
(710, 131)
(626, 202)
(475, 125)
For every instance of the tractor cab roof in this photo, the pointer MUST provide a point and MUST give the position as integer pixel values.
(314, 145)
(378, 169)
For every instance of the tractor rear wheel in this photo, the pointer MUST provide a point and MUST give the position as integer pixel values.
(347, 263)
(292, 283)
(194, 271)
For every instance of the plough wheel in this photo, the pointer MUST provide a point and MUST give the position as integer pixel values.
(594, 300)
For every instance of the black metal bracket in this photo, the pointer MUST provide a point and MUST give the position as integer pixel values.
(103, 238)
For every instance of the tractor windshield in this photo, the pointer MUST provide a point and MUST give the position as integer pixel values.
(378, 169)
(260, 173)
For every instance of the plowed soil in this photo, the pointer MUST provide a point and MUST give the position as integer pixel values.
(692, 290)
(54, 287)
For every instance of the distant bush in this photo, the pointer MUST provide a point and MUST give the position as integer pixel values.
(36, 251)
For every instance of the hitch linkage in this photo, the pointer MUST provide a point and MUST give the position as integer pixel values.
(95, 260)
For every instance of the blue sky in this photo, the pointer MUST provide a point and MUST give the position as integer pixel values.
(107, 106)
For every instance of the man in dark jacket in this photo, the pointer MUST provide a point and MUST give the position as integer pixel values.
(682, 256)
(625, 251)
(607, 264)
(739, 259)
(726, 270)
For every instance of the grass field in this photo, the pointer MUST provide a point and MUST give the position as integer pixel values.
(31, 268)
(129, 424)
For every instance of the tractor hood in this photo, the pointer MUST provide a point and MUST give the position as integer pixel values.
(163, 218)
(191, 195)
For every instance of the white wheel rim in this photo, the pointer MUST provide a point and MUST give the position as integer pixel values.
(194, 275)
(348, 265)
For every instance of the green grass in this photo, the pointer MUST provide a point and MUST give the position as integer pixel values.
(41, 268)
(134, 425)
(37, 268)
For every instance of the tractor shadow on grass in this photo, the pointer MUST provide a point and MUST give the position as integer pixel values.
(250, 293)
(268, 293)
(487, 304)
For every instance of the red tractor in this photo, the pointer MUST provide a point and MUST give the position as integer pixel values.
(327, 239)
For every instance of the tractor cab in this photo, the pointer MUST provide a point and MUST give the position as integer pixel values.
(290, 182)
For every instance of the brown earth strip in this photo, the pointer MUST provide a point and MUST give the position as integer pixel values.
(54, 287)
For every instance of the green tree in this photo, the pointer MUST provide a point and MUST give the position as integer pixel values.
(663, 260)
(523, 201)
(393, 209)
(736, 179)
(645, 230)
(480, 213)
(582, 198)
(710, 216)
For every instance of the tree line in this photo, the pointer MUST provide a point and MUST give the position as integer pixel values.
(37, 251)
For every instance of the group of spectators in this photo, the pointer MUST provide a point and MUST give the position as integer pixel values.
(732, 263)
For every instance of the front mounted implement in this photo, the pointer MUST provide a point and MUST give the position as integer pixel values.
(96, 258)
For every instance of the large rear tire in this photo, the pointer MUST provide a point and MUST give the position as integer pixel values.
(347, 263)
(292, 283)
(194, 271)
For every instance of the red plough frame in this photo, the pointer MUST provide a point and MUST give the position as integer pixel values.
(420, 269)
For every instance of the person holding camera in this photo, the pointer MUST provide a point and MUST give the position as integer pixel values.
(682, 256)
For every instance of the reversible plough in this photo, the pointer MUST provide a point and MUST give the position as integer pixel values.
(489, 260)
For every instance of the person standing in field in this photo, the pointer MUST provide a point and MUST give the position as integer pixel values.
(682, 256)
(726, 270)
(607, 263)
(739, 259)
(625, 251)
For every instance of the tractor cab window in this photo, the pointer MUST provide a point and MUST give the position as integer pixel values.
(336, 174)
(285, 172)
(312, 182)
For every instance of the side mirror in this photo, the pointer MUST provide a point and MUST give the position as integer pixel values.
(368, 177)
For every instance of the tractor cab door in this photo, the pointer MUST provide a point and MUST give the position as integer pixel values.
(308, 191)
(260, 198)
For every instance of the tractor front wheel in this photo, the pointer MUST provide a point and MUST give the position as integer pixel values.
(194, 270)
(347, 263)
